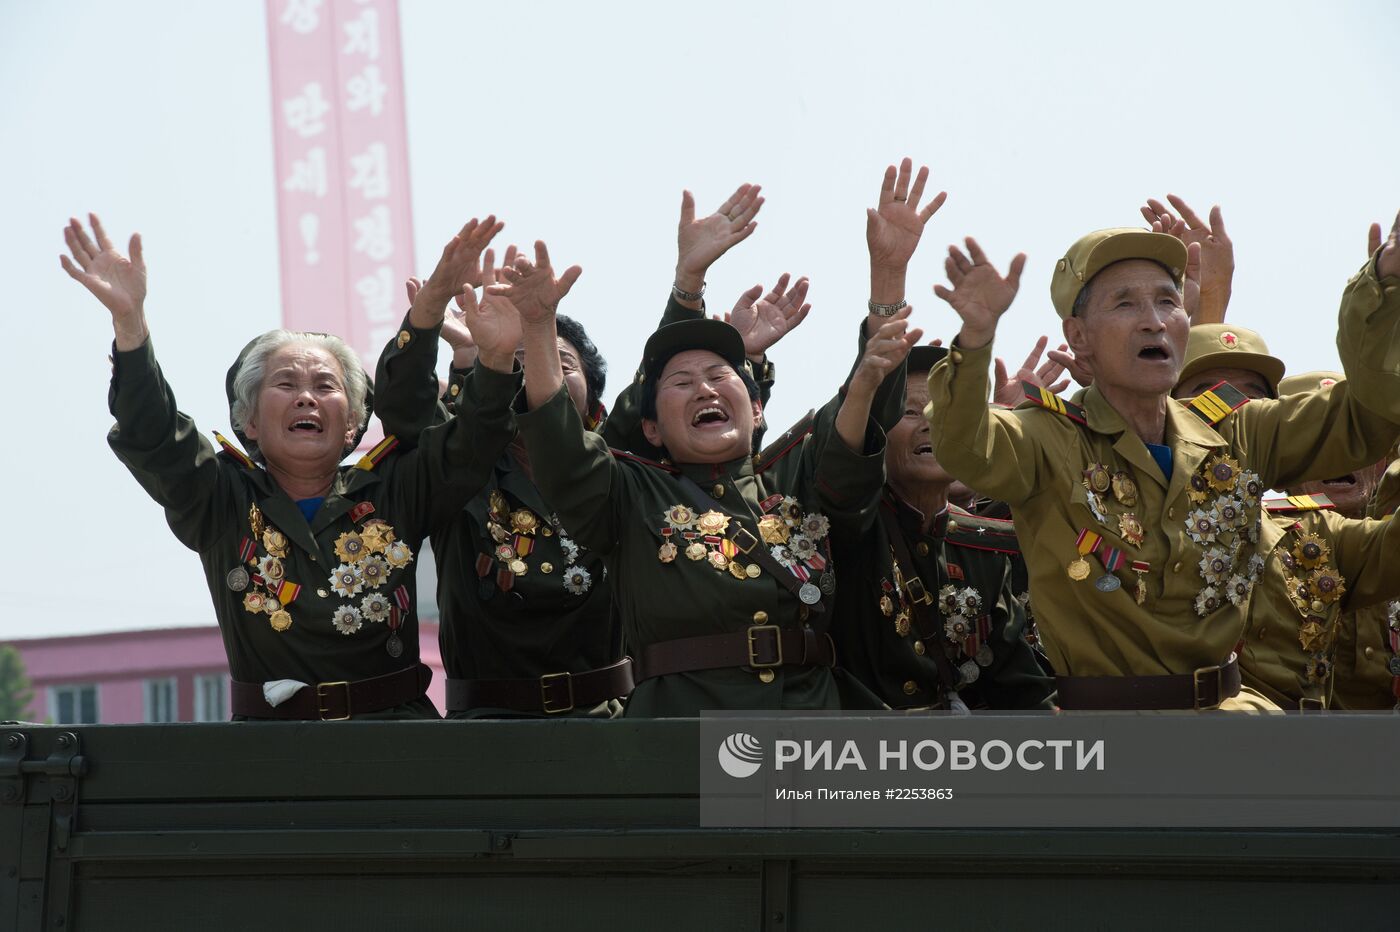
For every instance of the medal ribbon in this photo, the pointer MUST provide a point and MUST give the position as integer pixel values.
(767, 504)
(1087, 542)
(401, 597)
(395, 619)
(246, 549)
(287, 592)
(1111, 557)
(361, 511)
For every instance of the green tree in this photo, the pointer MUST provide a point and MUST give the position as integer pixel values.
(15, 694)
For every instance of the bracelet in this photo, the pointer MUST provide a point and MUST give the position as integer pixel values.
(886, 310)
(683, 295)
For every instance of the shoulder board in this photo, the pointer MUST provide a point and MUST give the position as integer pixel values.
(377, 453)
(234, 453)
(786, 443)
(978, 533)
(1215, 404)
(1044, 398)
(1298, 503)
(624, 455)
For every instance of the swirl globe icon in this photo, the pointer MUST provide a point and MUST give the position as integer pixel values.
(740, 755)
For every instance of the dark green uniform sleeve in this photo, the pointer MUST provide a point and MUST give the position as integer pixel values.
(1367, 552)
(163, 449)
(1014, 680)
(576, 474)
(405, 385)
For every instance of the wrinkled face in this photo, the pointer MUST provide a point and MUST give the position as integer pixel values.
(703, 411)
(909, 459)
(1252, 384)
(1133, 333)
(303, 414)
(1350, 493)
(574, 379)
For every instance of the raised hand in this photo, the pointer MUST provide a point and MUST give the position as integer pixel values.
(532, 288)
(700, 242)
(763, 321)
(980, 294)
(1388, 262)
(1217, 265)
(455, 332)
(118, 282)
(458, 269)
(1076, 367)
(884, 351)
(493, 323)
(1007, 389)
(893, 228)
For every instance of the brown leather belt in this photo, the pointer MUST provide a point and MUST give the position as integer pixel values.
(552, 694)
(1201, 689)
(335, 701)
(757, 647)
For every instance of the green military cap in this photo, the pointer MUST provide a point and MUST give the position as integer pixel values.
(1091, 254)
(1221, 346)
(701, 334)
(237, 367)
(1308, 382)
(923, 358)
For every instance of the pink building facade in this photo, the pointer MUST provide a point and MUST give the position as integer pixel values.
(155, 675)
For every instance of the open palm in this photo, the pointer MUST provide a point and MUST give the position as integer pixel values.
(118, 282)
(763, 321)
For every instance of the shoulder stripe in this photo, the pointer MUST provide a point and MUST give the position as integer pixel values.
(786, 443)
(1048, 400)
(233, 451)
(624, 455)
(1215, 404)
(377, 453)
(1317, 502)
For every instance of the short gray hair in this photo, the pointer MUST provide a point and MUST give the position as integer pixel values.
(249, 380)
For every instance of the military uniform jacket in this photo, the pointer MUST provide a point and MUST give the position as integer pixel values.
(343, 580)
(1367, 671)
(1188, 611)
(622, 507)
(496, 621)
(1319, 569)
(964, 578)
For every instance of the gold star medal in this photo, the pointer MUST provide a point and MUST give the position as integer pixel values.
(901, 624)
(350, 546)
(1130, 529)
(773, 529)
(713, 523)
(1124, 489)
(1221, 472)
(523, 521)
(1311, 551)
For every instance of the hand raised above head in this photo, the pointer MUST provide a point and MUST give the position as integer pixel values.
(532, 287)
(884, 351)
(1217, 253)
(118, 282)
(1007, 389)
(699, 242)
(893, 227)
(458, 268)
(980, 294)
(1388, 262)
(764, 319)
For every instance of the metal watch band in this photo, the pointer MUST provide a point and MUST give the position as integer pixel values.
(886, 310)
(683, 295)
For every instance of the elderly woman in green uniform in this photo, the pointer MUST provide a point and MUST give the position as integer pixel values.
(310, 564)
(929, 618)
(721, 566)
(1122, 494)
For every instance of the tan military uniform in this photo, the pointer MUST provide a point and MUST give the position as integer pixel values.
(1367, 674)
(1167, 615)
(1319, 568)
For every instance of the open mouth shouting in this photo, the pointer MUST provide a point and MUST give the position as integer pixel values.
(710, 416)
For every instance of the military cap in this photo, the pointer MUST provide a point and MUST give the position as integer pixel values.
(1308, 382)
(1091, 254)
(237, 367)
(1222, 346)
(922, 358)
(701, 334)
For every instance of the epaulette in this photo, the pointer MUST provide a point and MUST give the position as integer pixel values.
(1215, 404)
(233, 452)
(624, 455)
(968, 530)
(786, 443)
(1298, 503)
(377, 453)
(1044, 398)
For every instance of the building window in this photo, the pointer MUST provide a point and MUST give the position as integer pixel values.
(73, 705)
(211, 697)
(161, 700)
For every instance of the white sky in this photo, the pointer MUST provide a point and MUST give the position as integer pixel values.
(581, 122)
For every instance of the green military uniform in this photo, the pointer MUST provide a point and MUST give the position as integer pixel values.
(329, 602)
(1320, 568)
(1087, 492)
(1367, 674)
(998, 520)
(682, 573)
(946, 589)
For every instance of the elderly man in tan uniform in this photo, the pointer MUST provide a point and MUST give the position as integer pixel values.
(1123, 493)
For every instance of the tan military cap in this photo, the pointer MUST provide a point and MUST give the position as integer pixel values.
(1308, 382)
(1100, 249)
(1225, 346)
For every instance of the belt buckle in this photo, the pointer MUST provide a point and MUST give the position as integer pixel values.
(753, 632)
(321, 700)
(546, 682)
(1307, 704)
(743, 540)
(1196, 688)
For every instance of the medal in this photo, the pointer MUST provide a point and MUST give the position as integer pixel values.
(1108, 583)
(255, 520)
(1139, 591)
(827, 583)
(1078, 569)
(984, 656)
(498, 505)
(773, 529)
(695, 551)
(518, 567)
(736, 570)
(237, 579)
(1124, 489)
(1097, 478)
(1086, 543)
(718, 560)
(394, 646)
(281, 620)
(523, 521)
(1130, 529)
(809, 594)
(886, 606)
(1112, 559)
(1394, 666)
(901, 624)
(275, 542)
(712, 522)
(752, 571)
(666, 552)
